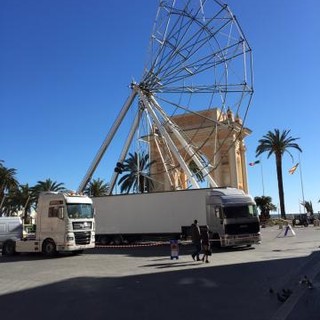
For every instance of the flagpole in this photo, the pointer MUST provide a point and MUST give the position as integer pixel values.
(262, 180)
(261, 171)
(301, 183)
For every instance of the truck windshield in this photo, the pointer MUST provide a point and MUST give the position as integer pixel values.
(80, 210)
(240, 211)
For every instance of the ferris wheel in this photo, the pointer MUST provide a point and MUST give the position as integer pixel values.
(199, 64)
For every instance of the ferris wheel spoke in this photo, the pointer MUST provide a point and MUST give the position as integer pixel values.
(212, 60)
(238, 88)
(190, 47)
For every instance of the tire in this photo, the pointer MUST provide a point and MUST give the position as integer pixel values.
(49, 248)
(9, 248)
(118, 239)
(104, 240)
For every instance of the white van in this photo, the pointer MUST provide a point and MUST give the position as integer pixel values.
(11, 230)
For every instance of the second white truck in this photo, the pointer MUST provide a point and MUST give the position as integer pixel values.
(64, 223)
(230, 214)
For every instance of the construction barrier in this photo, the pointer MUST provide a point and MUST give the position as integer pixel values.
(174, 248)
(286, 231)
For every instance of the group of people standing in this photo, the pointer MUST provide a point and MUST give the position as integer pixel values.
(200, 239)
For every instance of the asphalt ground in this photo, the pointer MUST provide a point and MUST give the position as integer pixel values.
(145, 283)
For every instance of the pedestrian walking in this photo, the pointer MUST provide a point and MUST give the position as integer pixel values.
(196, 239)
(205, 244)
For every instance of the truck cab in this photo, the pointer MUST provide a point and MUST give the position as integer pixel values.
(232, 217)
(64, 223)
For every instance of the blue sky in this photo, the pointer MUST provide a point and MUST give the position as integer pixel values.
(66, 66)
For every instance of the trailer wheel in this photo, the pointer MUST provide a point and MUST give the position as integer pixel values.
(104, 240)
(118, 239)
(49, 248)
(9, 248)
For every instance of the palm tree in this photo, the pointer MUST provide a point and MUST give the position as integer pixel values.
(8, 182)
(23, 198)
(47, 185)
(278, 143)
(137, 178)
(97, 188)
(195, 170)
(265, 205)
(308, 206)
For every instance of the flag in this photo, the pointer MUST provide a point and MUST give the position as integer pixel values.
(293, 169)
(254, 163)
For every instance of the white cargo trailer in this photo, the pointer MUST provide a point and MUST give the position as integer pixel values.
(230, 214)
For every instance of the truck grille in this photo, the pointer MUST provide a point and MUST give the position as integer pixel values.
(82, 225)
(241, 228)
(82, 237)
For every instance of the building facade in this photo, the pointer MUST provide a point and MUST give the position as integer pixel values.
(218, 137)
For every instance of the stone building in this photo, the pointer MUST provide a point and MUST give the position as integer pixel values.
(217, 136)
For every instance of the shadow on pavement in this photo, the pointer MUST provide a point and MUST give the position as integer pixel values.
(239, 291)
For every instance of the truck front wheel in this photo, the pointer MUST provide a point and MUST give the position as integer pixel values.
(49, 248)
(9, 248)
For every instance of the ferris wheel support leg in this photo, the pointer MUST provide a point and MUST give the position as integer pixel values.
(125, 149)
(107, 140)
(189, 149)
(156, 140)
(171, 144)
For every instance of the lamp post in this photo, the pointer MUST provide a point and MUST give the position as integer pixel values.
(301, 183)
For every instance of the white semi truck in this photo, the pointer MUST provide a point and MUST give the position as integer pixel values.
(64, 223)
(230, 214)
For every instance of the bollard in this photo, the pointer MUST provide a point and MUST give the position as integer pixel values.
(174, 248)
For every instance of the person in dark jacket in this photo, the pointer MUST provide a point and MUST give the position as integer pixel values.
(196, 239)
(205, 244)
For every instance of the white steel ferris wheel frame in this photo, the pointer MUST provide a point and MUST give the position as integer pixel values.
(188, 47)
(150, 104)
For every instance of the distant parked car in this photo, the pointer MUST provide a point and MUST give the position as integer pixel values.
(302, 220)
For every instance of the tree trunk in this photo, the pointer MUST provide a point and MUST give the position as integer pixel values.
(280, 185)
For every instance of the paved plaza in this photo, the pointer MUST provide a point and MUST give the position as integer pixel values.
(145, 283)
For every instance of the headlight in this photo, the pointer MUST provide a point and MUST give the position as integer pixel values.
(70, 238)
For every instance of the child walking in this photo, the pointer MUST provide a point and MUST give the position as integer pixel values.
(205, 244)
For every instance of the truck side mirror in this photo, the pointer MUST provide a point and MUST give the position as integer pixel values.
(61, 213)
